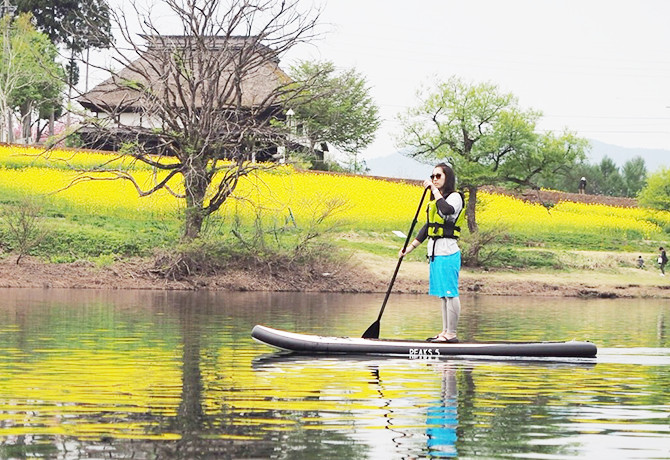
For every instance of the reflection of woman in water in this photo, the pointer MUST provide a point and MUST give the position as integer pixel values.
(442, 419)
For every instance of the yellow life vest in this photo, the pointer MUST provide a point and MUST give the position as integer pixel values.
(439, 228)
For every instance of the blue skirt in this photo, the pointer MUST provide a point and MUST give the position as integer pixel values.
(444, 272)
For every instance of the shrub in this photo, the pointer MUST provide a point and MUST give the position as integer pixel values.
(24, 225)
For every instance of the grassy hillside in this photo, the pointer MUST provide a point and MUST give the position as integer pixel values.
(284, 210)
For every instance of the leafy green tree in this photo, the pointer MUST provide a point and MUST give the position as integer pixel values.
(30, 78)
(634, 176)
(604, 178)
(77, 24)
(656, 193)
(611, 182)
(486, 136)
(40, 89)
(566, 178)
(336, 108)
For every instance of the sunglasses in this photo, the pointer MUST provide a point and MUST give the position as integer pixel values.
(436, 176)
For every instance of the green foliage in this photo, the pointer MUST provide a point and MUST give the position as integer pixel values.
(78, 24)
(521, 259)
(31, 79)
(288, 235)
(634, 174)
(306, 160)
(106, 260)
(336, 108)
(484, 134)
(70, 243)
(656, 194)
(604, 178)
(75, 236)
(72, 140)
(24, 225)
(579, 240)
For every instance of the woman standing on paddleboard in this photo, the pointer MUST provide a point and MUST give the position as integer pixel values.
(443, 226)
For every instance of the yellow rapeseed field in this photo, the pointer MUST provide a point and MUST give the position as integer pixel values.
(569, 217)
(284, 194)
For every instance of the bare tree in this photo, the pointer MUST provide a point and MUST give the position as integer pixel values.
(25, 227)
(200, 105)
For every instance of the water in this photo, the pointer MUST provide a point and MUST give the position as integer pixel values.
(105, 374)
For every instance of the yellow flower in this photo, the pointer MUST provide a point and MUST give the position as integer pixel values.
(283, 195)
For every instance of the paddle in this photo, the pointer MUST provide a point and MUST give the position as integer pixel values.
(373, 331)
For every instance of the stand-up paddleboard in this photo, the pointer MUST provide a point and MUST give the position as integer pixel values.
(416, 349)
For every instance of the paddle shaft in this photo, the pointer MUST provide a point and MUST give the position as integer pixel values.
(373, 330)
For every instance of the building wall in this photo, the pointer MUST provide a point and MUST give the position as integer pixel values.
(132, 119)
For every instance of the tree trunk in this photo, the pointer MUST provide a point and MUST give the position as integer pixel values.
(474, 246)
(52, 123)
(195, 187)
(26, 121)
(10, 128)
(470, 212)
(193, 223)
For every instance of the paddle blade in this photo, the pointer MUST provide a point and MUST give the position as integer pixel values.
(372, 332)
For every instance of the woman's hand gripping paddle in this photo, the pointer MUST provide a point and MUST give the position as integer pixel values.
(373, 331)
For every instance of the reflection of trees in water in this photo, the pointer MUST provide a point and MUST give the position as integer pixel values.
(199, 428)
(661, 330)
(494, 420)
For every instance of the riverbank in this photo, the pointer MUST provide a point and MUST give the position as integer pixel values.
(362, 273)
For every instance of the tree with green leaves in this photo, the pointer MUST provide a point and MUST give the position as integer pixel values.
(609, 180)
(31, 81)
(334, 107)
(656, 192)
(41, 94)
(604, 178)
(486, 136)
(77, 25)
(634, 174)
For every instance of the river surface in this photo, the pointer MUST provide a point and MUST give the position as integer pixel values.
(167, 375)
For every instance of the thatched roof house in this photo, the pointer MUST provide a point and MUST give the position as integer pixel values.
(158, 69)
(178, 75)
(186, 76)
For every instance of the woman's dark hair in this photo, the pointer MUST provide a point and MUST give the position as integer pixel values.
(449, 179)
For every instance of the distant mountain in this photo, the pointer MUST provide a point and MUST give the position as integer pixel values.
(653, 158)
(398, 166)
(402, 167)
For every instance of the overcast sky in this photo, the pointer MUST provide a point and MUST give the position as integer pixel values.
(597, 67)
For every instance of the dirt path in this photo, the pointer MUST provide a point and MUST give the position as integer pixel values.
(604, 283)
(364, 274)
